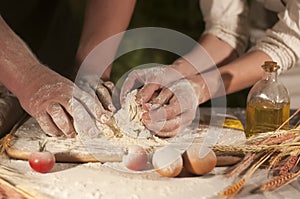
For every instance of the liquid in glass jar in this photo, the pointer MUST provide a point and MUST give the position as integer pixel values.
(268, 103)
(265, 119)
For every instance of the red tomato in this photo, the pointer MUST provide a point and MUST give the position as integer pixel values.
(41, 161)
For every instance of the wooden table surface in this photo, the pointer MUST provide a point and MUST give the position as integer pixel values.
(202, 186)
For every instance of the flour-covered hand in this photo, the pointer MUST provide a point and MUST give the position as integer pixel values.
(177, 106)
(150, 80)
(94, 85)
(54, 101)
(59, 105)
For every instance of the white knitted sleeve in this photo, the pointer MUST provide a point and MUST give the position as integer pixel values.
(227, 19)
(282, 41)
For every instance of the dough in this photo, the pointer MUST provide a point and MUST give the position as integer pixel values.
(129, 118)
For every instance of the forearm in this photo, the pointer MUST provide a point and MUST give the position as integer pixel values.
(243, 72)
(16, 60)
(282, 41)
(239, 74)
(225, 36)
(210, 52)
(103, 19)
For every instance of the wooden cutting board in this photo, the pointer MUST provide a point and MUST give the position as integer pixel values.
(26, 138)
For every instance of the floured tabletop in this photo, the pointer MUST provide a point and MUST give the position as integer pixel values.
(110, 180)
(27, 137)
(96, 180)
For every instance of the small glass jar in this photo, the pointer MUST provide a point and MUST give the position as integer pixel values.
(268, 103)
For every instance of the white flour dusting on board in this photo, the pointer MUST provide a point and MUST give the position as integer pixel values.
(129, 118)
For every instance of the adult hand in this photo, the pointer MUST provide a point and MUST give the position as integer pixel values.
(173, 109)
(177, 104)
(59, 105)
(150, 79)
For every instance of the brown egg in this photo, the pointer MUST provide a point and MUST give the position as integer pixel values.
(167, 162)
(135, 158)
(199, 163)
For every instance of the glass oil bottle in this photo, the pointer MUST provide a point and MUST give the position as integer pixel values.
(268, 103)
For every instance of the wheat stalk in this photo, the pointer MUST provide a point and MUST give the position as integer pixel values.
(231, 191)
(288, 165)
(241, 166)
(285, 122)
(279, 181)
(274, 161)
(245, 148)
(270, 135)
(275, 145)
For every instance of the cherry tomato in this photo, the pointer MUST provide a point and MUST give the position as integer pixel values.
(42, 161)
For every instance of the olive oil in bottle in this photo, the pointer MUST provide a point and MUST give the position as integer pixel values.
(268, 103)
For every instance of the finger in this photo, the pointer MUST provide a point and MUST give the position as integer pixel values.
(150, 106)
(61, 119)
(170, 127)
(48, 126)
(169, 134)
(92, 105)
(109, 85)
(84, 85)
(163, 126)
(126, 88)
(146, 93)
(105, 97)
(83, 123)
(133, 80)
(163, 97)
(163, 112)
(116, 98)
(111, 88)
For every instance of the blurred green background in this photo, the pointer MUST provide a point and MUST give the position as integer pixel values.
(52, 30)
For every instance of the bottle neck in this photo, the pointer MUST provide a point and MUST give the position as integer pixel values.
(271, 76)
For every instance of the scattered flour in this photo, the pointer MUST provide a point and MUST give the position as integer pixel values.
(127, 128)
(95, 181)
(129, 118)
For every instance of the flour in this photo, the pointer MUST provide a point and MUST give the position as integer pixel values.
(126, 127)
(129, 118)
(95, 180)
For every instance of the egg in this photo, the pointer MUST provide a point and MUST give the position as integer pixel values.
(135, 158)
(167, 161)
(199, 160)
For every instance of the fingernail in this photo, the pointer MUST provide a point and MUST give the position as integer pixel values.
(93, 133)
(112, 108)
(105, 118)
(154, 106)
